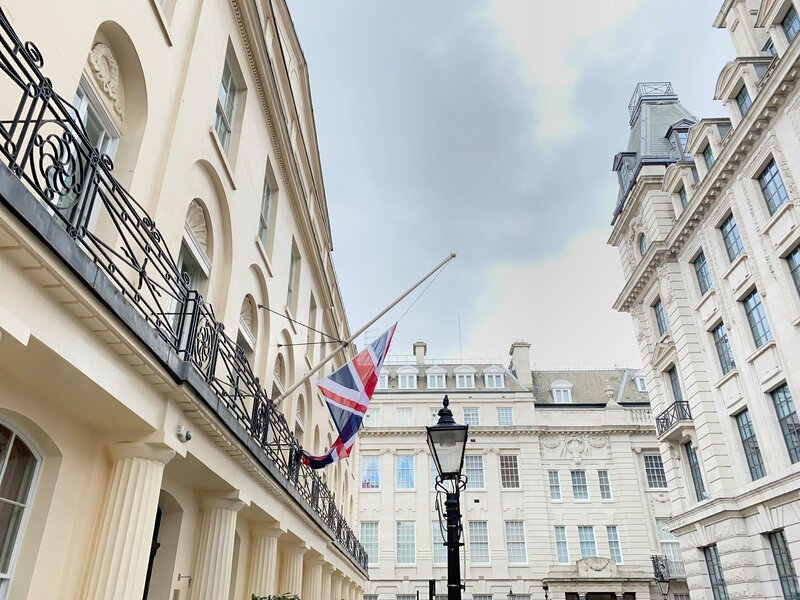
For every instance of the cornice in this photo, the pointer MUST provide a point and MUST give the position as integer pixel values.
(538, 430)
(735, 149)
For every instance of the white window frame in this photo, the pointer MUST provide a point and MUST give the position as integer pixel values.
(581, 540)
(617, 541)
(465, 377)
(373, 560)
(437, 545)
(473, 542)
(561, 529)
(505, 410)
(436, 378)
(475, 412)
(405, 416)
(220, 113)
(471, 484)
(585, 484)
(554, 488)
(412, 542)
(503, 486)
(407, 378)
(383, 382)
(413, 462)
(561, 391)
(372, 418)
(524, 561)
(607, 484)
(377, 460)
(494, 381)
(640, 383)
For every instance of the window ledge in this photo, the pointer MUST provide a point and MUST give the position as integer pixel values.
(709, 293)
(223, 157)
(162, 21)
(727, 377)
(742, 257)
(787, 206)
(759, 351)
(263, 252)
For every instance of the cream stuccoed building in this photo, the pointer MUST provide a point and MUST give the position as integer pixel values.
(706, 224)
(566, 486)
(163, 224)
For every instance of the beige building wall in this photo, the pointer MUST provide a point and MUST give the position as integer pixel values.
(741, 513)
(82, 388)
(605, 425)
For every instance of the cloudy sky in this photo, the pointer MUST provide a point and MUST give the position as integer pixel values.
(489, 128)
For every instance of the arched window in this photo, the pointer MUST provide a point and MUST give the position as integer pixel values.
(248, 328)
(18, 465)
(195, 256)
(278, 377)
(300, 418)
(562, 391)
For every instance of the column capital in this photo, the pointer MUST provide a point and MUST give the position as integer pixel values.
(224, 500)
(266, 530)
(154, 451)
(294, 548)
(327, 569)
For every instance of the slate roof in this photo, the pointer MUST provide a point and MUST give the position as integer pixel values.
(588, 386)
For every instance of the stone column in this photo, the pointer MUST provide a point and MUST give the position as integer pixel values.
(291, 575)
(312, 578)
(264, 560)
(359, 593)
(350, 595)
(121, 548)
(327, 571)
(336, 587)
(214, 560)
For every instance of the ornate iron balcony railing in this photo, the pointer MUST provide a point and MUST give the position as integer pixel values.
(675, 412)
(45, 145)
(666, 569)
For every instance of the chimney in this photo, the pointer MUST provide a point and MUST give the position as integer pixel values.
(521, 362)
(420, 350)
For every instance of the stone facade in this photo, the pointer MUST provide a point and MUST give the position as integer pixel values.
(526, 426)
(706, 226)
(204, 113)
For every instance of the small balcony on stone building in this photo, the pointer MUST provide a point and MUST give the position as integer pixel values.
(667, 569)
(672, 423)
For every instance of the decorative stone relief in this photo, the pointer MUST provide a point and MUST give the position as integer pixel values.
(106, 71)
(575, 446)
(247, 313)
(196, 223)
(783, 167)
(762, 239)
(596, 566)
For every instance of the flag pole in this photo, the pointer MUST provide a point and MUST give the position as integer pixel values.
(348, 341)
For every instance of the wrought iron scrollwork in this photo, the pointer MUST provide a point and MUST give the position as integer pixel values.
(45, 144)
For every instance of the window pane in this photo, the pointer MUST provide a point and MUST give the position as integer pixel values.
(472, 417)
(586, 539)
(794, 267)
(369, 539)
(605, 485)
(702, 272)
(743, 100)
(404, 472)
(555, 485)
(772, 187)
(708, 156)
(684, 198)
(18, 473)
(404, 417)
(661, 317)
(505, 416)
(614, 548)
(562, 548)
(654, 469)
(723, 347)
(718, 587)
(675, 384)
(791, 24)
(370, 472)
(406, 543)
(784, 565)
(757, 319)
(515, 542)
(787, 417)
(509, 472)
(478, 542)
(750, 443)
(473, 466)
(730, 235)
(697, 475)
(580, 489)
(439, 548)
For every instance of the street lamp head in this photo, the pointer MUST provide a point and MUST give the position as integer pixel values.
(546, 589)
(447, 441)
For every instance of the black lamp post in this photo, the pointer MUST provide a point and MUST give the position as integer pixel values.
(447, 441)
(546, 589)
(661, 574)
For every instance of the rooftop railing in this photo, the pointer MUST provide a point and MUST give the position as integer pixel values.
(122, 253)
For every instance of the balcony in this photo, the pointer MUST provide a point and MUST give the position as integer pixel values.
(666, 569)
(61, 188)
(672, 423)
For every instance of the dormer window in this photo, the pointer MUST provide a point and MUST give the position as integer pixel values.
(383, 382)
(708, 156)
(561, 391)
(437, 378)
(494, 378)
(465, 377)
(436, 382)
(640, 384)
(791, 24)
(407, 378)
(677, 138)
(743, 102)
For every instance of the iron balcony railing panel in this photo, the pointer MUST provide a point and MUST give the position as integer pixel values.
(675, 412)
(45, 145)
(666, 569)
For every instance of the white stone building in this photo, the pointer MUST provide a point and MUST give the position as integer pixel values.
(706, 224)
(565, 484)
(149, 217)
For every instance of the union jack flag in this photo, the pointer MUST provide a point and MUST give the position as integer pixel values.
(347, 392)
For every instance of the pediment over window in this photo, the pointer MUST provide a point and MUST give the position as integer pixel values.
(494, 370)
(663, 352)
(407, 371)
(464, 370)
(437, 370)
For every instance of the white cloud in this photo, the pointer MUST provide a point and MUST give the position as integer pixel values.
(553, 43)
(561, 305)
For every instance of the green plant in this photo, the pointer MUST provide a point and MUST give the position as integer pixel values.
(278, 597)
